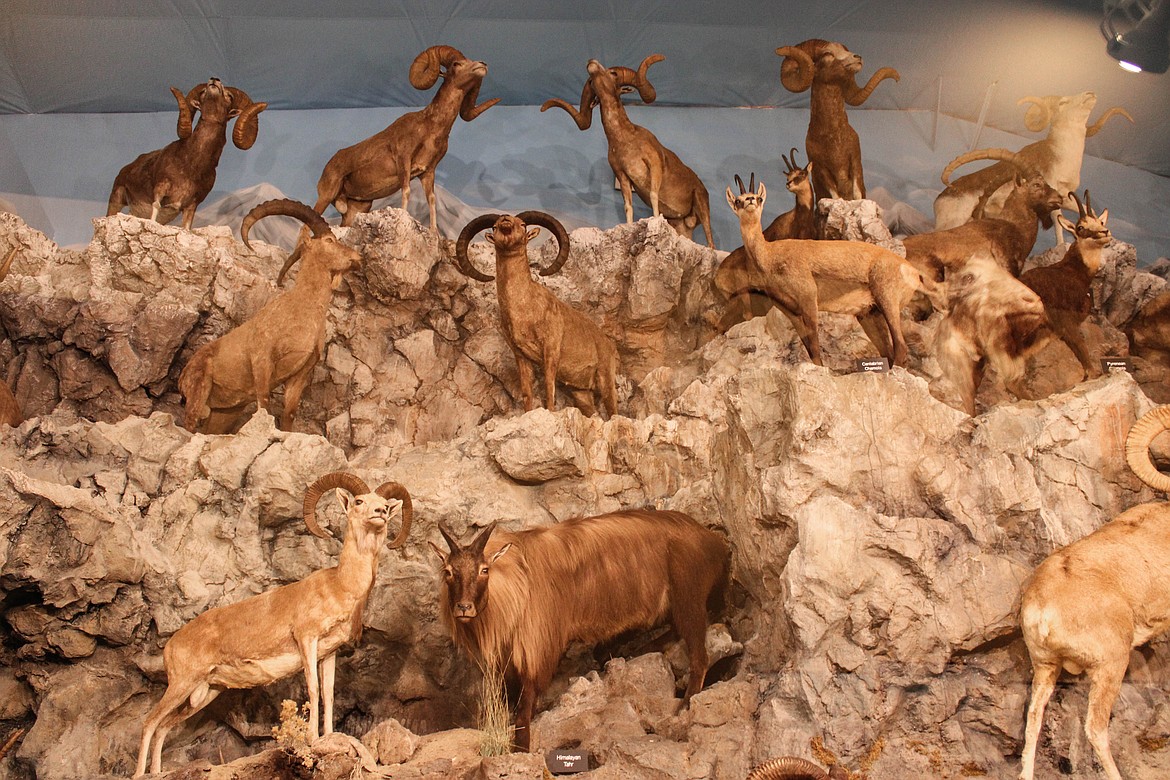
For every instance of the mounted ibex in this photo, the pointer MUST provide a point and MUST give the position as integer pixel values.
(1057, 157)
(516, 600)
(295, 627)
(831, 144)
(280, 344)
(10, 412)
(1090, 603)
(175, 179)
(412, 146)
(1066, 287)
(638, 159)
(540, 328)
(732, 278)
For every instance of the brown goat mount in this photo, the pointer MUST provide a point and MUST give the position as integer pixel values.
(412, 146)
(280, 344)
(10, 412)
(1057, 157)
(295, 627)
(516, 600)
(1087, 605)
(732, 277)
(175, 179)
(1066, 287)
(830, 70)
(638, 158)
(1008, 238)
(540, 328)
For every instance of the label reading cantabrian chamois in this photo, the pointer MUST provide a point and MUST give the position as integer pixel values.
(566, 762)
(872, 365)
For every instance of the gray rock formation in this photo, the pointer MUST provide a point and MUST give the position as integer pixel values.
(879, 536)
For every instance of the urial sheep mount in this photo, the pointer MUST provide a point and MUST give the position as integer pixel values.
(175, 179)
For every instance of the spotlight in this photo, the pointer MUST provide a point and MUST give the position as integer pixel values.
(1137, 34)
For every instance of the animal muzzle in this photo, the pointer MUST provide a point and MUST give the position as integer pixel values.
(464, 612)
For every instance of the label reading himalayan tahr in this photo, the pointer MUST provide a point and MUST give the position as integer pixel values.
(872, 365)
(1110, 363)
(564, 762)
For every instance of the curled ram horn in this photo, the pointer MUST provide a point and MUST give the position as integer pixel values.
(247, 122)
(1095, 128)
(395, 490)
(432, 63)
(583, 117)
(470, 231)
(994, 153)
(285, 207)
(796, 71)
(336, 479)
(188, 105)
(1137, 447)
(858, 95)
(554, 226)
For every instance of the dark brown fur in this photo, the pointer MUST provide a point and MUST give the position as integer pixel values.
(830, 70)
(516, 600)
(175, 179)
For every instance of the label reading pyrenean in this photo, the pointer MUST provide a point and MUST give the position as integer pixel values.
(1110, 363)
(565, 762)
(873, 365)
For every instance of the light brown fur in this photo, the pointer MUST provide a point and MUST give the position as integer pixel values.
(638, 159)
(848, 277)
(541, 329)
(412, 146)
(1088, 604)
(279, 345)
(732, 277)
(992, 317)
(274, 634)
(516, 600)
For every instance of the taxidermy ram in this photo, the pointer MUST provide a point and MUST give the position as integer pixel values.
(412, 146)
(175, 179)
(831, 144)
(639, 161)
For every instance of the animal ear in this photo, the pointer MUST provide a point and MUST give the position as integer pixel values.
(345, 500)
(532, 233)
(730, 199)
(1065, 223)
(438, 551)
(762, 193)
(490, 237)
(500, 552)
(1104, 216)
(808, 168)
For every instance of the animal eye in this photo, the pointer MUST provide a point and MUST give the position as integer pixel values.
(483, 570)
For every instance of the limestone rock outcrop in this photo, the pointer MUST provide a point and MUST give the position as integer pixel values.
(879, 536)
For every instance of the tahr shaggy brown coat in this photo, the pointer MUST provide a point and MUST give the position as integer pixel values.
(516, 600)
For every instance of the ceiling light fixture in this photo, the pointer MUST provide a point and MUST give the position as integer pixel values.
(1137, 34)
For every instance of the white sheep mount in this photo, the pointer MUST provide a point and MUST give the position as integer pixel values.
(294, 627)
